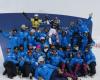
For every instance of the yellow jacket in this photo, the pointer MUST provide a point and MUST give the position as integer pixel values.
(37, 23)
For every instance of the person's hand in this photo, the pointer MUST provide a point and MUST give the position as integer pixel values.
(23, 12)
(60, 72)
(91, 14)
(36, 63)
(88, 67)
(40, 78)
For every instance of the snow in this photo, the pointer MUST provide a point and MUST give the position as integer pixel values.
(80, 8)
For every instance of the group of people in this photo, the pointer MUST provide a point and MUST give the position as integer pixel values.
(51, 53)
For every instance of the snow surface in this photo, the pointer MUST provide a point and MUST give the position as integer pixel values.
(80, 8)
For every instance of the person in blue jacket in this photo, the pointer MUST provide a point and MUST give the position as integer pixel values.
(67, 51)
(37, 53)
(76, 39)
(61, 52)
(46, 71)
(43, 33)
(12, 38)
(46, 47)
(78, 65)
(64, 39)
(22, 51)
(84, 41)
(90, 59)
(31, 37)
(11, 63)
(43, 41)
(53, 38)
(83, 25)
(21, 55)
(75, 50)
(8, 51)
(46, 50)
(37, 35)
(28, 64)
(73, 27)
(55, 59)
(30, 47)
(23, 34)
(64, 72)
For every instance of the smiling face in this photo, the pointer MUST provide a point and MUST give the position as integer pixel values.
(61, 48)
(30, 47)
(31, 33)
(36, 17)
(41, 62)
(15, 50)
(14, 32)
(63, 33)
(46, 49)
(67, 48)
(38, 48)
(29, 52)
(78, 55)
(21, 48)
(86, 50)
(42, 40)
(53, 52)
(8, 50)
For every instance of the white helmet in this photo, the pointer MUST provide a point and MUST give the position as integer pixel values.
(36, 15)
(23, 26)
(40, 59)
(32, 30)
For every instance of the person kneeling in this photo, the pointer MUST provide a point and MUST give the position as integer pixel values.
(10, 63)
(91, 61)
